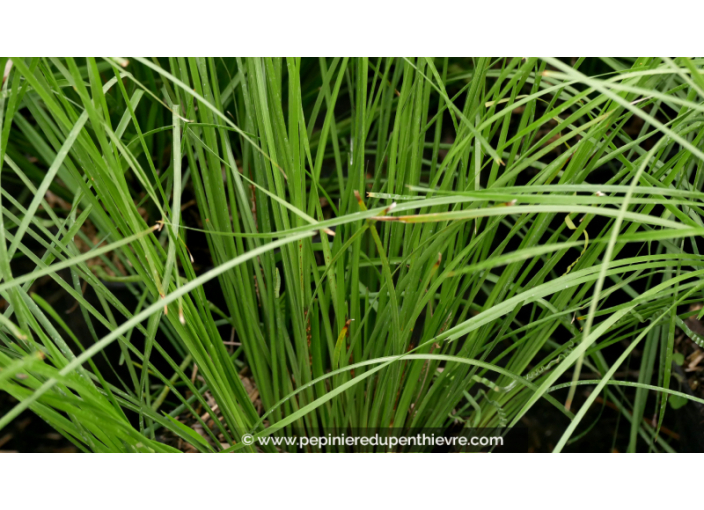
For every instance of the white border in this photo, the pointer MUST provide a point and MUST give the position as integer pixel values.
(341, 481)
(349, 27)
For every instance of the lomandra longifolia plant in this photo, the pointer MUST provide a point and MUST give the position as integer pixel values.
(199, 253)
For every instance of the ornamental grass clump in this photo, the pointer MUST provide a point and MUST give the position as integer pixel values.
(249, 248)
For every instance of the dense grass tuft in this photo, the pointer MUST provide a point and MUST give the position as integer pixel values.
(278, 246)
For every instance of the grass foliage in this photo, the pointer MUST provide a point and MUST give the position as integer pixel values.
(389, 242)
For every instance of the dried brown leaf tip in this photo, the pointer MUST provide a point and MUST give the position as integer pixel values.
(437, 262)
(388, 209)
(383, 216)
(190, 255)
(359, 198)
(6, 71)
(346, 328)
